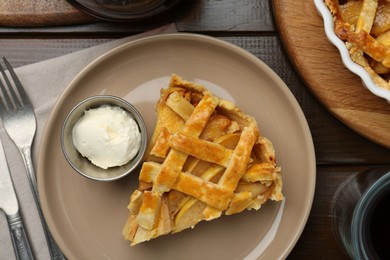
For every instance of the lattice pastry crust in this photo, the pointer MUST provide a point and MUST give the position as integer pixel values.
(364, 25)
(205, 158)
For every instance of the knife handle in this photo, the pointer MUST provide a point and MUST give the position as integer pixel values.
(19, 238)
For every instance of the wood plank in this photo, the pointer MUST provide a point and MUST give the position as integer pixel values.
(319, 64)
(190, 16)
(318, 240)
(318, 233)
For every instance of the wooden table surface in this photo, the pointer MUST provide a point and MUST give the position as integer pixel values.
(250, 24)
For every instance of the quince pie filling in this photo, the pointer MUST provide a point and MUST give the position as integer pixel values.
(364, 26)
(205, 158)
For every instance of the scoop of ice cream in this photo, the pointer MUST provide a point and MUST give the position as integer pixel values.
(107, 135)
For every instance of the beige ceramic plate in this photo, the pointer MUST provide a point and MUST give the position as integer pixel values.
(86, 217)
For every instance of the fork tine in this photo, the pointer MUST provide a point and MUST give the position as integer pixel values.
(6, 103)
(25, 101)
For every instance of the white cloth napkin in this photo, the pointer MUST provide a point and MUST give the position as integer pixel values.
(44, 82)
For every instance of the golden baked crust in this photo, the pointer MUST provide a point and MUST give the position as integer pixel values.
(364, 25)
(205, 158)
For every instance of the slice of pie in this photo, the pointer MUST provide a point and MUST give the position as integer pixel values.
(205, 158)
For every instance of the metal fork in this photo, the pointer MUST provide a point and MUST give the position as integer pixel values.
(19, 122)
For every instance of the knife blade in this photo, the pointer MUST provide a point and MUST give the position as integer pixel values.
(9, 204)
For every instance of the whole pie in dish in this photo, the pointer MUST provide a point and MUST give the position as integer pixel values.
(364, 25)
(205, 158)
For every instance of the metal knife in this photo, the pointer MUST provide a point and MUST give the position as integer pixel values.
(9, 204)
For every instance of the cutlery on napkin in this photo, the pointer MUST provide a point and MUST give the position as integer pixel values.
(49, 77)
